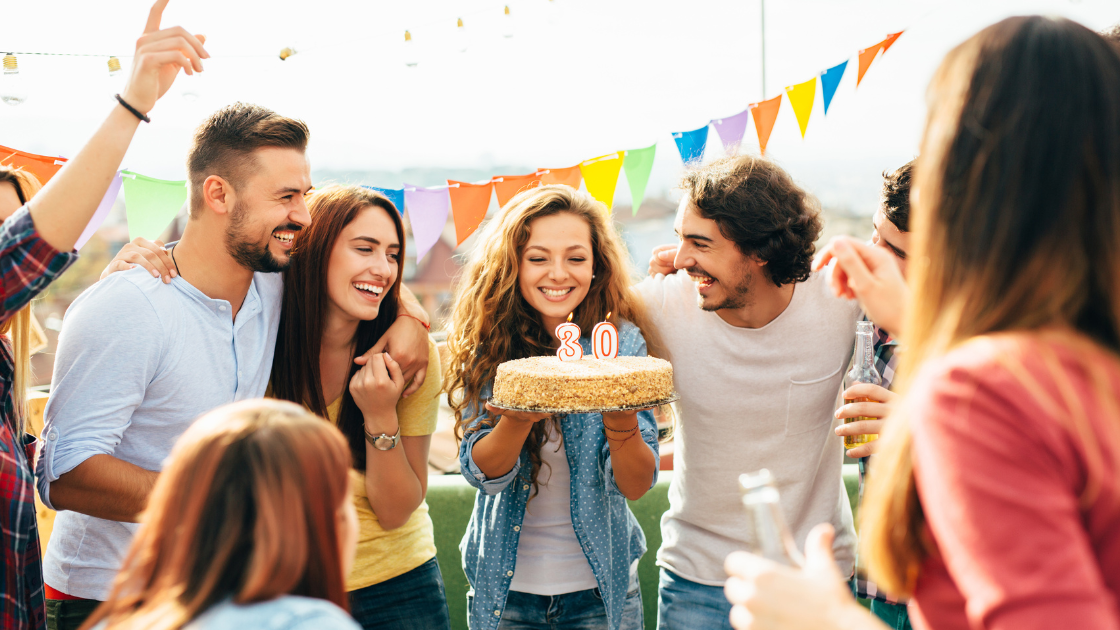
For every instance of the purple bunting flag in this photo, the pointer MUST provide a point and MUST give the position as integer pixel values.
(102, 211)
(731, 130)
(427, 212)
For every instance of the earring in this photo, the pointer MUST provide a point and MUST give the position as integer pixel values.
(592, 276)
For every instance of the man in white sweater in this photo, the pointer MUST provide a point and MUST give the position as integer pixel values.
(759, 346)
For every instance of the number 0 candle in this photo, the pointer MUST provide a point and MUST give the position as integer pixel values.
(568, 334)
(604, 340)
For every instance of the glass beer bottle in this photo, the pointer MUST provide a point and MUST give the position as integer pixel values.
(771, 536)
(863, 371)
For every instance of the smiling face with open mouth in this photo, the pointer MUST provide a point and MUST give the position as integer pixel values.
(723, 275)
(269, 210)
(364, 264)
(556, 266)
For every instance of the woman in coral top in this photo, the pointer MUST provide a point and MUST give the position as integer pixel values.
(996, 500)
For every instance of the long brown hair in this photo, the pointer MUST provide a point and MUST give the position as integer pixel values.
(295, 367)
(24, 337)
(1017, 227)
(492, 323)
(248, 509)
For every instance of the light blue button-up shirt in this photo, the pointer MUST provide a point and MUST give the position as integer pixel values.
(604, 525)
(137, 362)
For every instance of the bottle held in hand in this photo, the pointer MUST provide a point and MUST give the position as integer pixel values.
(863, 371)
(771, 536)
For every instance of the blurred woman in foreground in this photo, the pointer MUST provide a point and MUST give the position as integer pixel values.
(996, 500)
(250, 526)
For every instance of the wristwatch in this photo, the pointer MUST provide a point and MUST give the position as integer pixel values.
(383, 442)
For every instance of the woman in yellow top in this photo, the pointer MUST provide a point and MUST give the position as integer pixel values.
(340, 296)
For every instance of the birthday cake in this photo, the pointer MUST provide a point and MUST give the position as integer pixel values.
(583, 385)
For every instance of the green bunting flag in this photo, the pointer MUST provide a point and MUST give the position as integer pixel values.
(638, 163)
(151, 203)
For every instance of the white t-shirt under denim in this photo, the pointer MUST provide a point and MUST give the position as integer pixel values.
(751, 399)
(550, 560)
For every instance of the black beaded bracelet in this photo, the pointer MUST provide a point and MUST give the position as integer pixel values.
(132, 109)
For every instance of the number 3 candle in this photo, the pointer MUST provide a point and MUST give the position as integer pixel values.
(604, 340)
(568, 334)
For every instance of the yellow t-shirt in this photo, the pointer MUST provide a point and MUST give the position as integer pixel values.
(383, 555)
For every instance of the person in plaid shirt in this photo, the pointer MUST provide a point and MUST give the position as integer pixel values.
(36, 245)
(892, 226)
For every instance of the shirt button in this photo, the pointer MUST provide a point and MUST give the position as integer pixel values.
(509, 573)
(516, 528)
(222, 308)
(497, 613)
(525, 487)
(53, 435)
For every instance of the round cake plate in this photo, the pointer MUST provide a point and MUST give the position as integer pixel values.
(674, 397)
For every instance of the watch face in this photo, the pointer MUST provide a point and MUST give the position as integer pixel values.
(383, 443)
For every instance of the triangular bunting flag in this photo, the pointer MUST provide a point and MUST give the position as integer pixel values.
(151, 204)
(601, 176)
(102, 211)
(638, 164)
(396, 195)
(506, 186)
(867, 55)
(468, 205)
(890, 40)
(691, 143)
(765, 113)
(43, 167)
(731, 130)
(801, 98)
(427, 213)
(568, 176)
(830, 80)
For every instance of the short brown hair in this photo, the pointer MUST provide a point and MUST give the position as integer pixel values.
(758, 206)
(896, 196)
(223, 144)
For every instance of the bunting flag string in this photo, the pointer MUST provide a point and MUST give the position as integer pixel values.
(427, 213)
(601, 176)
(468, 206)
(801, 97)
(152, 203)
(638, 164)
(765, 113)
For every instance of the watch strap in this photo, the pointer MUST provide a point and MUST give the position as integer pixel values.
(372, 439)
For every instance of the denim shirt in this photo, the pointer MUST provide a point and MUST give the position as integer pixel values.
(604, 525)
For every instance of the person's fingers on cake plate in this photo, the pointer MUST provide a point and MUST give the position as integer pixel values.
(518, 416)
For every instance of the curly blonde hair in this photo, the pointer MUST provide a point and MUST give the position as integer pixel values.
(492, 323)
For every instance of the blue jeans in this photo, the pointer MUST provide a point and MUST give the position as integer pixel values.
(412, 601)
(685, 605)
(581, 610)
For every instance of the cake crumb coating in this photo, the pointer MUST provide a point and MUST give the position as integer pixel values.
(549, 383)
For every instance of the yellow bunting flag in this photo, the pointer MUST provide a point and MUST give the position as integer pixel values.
(801, 99)
(601, 176)
(765, 113)
(468, 205)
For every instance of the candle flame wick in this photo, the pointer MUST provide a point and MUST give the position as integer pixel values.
(570, 315)
(608, 315)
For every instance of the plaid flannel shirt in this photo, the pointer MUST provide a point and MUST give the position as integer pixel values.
(27, 265)
(886, 361)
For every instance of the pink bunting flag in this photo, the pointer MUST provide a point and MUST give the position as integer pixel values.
(427, 213)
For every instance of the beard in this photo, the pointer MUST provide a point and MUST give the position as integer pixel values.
(253, 255)
(738, 293)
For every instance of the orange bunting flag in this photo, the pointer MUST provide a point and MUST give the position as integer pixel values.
(801, 98)
(601, 176)
(867, 55)
(43, 167)
(570, 176)
(506, 186)
(468, 205)
(765, 113)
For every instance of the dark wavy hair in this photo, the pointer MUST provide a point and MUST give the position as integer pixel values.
(757, 206)
(896, 196)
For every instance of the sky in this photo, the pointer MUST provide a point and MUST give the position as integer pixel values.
(577, 79)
